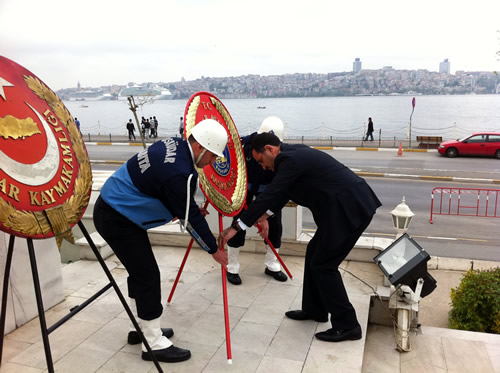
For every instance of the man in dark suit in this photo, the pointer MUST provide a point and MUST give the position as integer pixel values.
(342, 205)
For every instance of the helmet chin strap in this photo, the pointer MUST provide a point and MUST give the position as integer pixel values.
(200, 156)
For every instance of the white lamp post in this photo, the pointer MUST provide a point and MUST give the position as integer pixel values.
(401, 218)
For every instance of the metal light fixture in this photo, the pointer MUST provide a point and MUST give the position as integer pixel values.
(404, 262)
(401, 218)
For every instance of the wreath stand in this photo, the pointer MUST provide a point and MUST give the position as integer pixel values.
(224, 283)
(73, 311)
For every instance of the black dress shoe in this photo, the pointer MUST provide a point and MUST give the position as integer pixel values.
(301, 315)
(332, 335)
(134, 339)
(278, 275)
(233, 278)
(168, 355)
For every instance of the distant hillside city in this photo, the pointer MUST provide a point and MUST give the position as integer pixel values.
(358, 82)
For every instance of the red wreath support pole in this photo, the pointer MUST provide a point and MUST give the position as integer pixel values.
(181, 268)
(275, 253)
(224, 293)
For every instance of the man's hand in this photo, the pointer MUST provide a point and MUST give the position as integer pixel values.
(225, 236)
(264, 228)
(204, 211)
(221, 257)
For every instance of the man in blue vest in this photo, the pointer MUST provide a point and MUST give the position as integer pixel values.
(149, 190)
(342, 205)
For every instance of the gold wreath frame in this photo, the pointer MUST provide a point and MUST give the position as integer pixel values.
(239, 195)
(60, 218)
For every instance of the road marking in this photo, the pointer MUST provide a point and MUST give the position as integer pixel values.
(442, 238)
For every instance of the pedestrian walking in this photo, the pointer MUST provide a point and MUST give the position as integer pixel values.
(131, 129)
(181, 127)
(369, 132)
(155, 125)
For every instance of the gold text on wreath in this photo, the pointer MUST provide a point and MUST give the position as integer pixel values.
(47, 197)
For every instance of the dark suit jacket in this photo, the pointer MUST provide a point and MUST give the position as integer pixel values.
(339, 200)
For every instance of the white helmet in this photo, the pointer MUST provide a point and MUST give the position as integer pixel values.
(274, 125)
(211, 135)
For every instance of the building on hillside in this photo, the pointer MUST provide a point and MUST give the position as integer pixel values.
(444, 67)
(356, 65)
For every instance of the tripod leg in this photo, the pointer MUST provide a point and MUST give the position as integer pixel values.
(39, 303)
(119, 294)
(5, 291)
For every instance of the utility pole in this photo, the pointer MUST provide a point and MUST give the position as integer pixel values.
(133, 108)
(413, 108)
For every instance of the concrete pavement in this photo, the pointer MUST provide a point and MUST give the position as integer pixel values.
(262, 338)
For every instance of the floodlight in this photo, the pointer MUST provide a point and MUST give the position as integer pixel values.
(404, 262)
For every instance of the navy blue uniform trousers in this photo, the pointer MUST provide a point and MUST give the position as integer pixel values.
(132, 246)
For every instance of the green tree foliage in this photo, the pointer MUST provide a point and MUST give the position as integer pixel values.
(475, 303)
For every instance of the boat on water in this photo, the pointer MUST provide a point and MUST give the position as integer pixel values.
(155, 92)
(90, 96)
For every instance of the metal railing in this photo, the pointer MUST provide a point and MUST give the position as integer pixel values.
(465, 202)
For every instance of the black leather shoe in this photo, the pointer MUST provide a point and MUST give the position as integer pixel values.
(332, 335)
(134, 339)
(279, 275)
(233, 278)
(301, 315)
(168, 355)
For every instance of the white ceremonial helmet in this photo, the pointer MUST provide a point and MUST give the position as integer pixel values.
(211, 135)
(274, 125)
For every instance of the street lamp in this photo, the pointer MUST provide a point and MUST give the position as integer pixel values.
(401, 218)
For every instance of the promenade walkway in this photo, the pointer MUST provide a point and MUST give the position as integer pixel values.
(328, 142)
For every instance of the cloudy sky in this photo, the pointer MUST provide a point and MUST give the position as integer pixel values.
(101, 42)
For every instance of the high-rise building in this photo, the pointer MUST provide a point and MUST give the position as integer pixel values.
(356, 65)
(444, 67)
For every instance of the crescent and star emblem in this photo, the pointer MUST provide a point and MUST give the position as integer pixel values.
(39, 198)
(38, 173)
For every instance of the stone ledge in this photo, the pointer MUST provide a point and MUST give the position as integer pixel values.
(101, 245)
(364, 251)
(459, 264)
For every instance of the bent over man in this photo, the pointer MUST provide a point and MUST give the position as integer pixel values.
(149, 190)
(258, 179)
(342, 205)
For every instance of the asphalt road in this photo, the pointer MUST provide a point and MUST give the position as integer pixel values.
(449, 236)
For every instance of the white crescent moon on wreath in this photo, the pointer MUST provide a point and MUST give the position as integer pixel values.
(38, 173)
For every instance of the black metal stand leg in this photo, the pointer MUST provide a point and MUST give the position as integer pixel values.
(120, 295)
(39, 303)
(5, 292)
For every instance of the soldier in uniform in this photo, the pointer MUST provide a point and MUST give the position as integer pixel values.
(258, 179)
(149, 190)
(342, 205)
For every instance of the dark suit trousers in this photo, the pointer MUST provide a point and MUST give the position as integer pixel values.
(323, 289)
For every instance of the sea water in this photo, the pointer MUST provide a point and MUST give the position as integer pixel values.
(324, 117)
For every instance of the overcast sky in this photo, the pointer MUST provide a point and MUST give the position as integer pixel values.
(102, 42)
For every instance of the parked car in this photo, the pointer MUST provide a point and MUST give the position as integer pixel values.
(480, 143)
